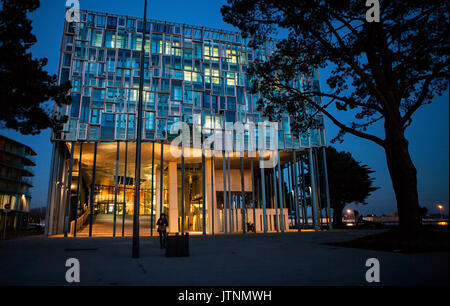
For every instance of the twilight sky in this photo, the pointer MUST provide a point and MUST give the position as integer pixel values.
(428, 135)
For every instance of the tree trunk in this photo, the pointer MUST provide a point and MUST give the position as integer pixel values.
(404, 179)
(337, 215)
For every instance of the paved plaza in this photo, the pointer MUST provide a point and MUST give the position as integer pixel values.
(271, 259)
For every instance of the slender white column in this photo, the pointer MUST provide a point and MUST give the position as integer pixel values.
(173, 198)
(158, 192)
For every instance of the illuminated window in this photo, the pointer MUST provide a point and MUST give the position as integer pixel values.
(167, 47)
(136, 42)
(207, 71)
(157, 43)
(122, 40)
(231, 82)
(176, 51)
(110, 39)
(96, 38)
(187, 76)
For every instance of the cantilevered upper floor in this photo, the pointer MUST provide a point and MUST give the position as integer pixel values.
(188, 71)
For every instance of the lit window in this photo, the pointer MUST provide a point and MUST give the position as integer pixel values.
(157, 43)
(136, 42)
(167, 48)
(231, 82)
(122, 40)
(96, 38)
(188, 76)
(110, 40)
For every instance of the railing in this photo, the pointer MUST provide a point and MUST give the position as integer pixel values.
(29, 169)
(80, 222)
(20, 153)
(16, 165)
(27, 180)
(16, 190)
(20, 179)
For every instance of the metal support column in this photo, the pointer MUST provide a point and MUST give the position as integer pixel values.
(182, 187)
(243, 206)
(275, 193)
(303, 194)
(327, 190)
(263, 192)
(280, 193)
(229, 195)
(161, 179)
(313, 194)
(318, 188)
(253, 194)
(225, 202)
(116, 183)
(124, 205)
(212, 192)
(69, 184)
(153, 185)
(78, 191)
(137, 176)
(91, 215)
(204, 190)
(295, 183)
(51, 187)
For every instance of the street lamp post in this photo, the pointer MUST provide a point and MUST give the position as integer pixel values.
(441, 208)
(137, 183)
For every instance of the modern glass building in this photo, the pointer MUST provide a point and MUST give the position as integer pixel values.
(194, 75)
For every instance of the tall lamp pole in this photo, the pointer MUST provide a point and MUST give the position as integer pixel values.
(137, 180)
(441, 207)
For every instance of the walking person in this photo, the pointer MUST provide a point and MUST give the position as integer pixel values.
(162, 230)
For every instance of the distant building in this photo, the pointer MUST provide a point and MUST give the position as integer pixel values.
(16, 162)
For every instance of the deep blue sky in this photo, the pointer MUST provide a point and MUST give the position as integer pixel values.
(428, 136)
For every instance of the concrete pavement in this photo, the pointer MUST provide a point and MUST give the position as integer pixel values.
(272, 259)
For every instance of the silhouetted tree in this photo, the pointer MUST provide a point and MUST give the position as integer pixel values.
(383, 72)
(349, 182)
(423, 211)
(25, 85)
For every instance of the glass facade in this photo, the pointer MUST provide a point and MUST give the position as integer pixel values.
(191, 74)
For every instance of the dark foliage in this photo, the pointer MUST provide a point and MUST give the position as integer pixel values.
(26, 86)
(349, 181)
